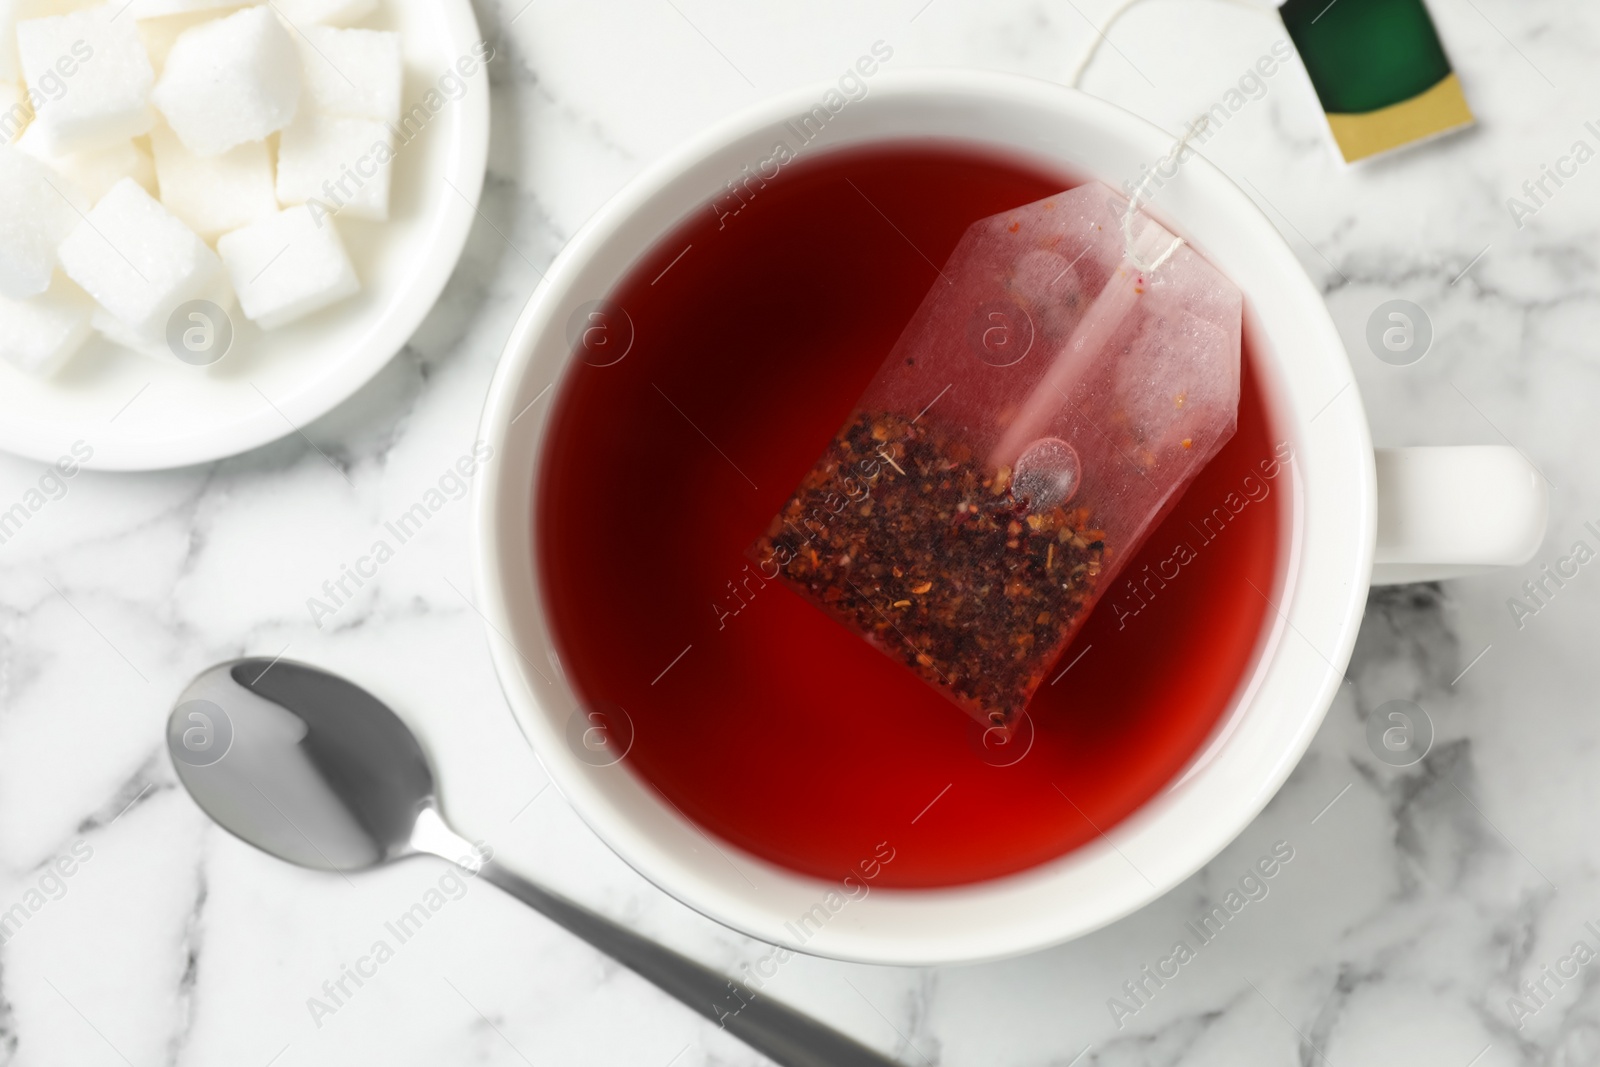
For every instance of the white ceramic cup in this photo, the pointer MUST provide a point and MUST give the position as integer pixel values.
(1353, 519)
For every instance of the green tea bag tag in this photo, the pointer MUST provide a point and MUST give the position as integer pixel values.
(1379, 70)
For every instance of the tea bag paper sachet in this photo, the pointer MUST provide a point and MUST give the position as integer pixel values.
(1071, 371)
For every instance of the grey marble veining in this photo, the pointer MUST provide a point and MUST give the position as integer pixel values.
(1418, 901)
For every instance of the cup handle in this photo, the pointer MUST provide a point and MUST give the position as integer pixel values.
(1446, 512)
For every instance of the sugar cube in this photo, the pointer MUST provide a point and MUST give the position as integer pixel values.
(214, 194)
(352, 73)
(39, 211)
(90, 78)
(120, 333)
(15, 113)
(41, 333)
(229, 81)
(158, 344)
(150, 9)
(139, 261)
(161, 33)
(341, 163)
(325, 12)
(288, 266)
(95, 171)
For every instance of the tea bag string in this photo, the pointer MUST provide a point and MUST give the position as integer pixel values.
(1103, 27)
(1080, 68)
(1129, 249)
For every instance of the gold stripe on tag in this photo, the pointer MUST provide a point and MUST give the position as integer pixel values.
(1438, 110)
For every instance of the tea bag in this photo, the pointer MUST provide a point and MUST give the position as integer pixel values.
(1071, 371)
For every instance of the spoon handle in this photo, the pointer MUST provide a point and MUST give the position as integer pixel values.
(771, 1028)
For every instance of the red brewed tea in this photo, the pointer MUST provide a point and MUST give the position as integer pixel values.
(711, 380)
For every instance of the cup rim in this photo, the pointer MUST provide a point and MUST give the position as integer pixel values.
(1317, 609)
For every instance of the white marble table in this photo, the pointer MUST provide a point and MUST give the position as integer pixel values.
(1417, 898)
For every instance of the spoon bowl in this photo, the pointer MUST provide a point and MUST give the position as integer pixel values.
(317, 771)
(301, 764)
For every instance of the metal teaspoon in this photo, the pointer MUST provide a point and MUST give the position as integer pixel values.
(317, 771)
